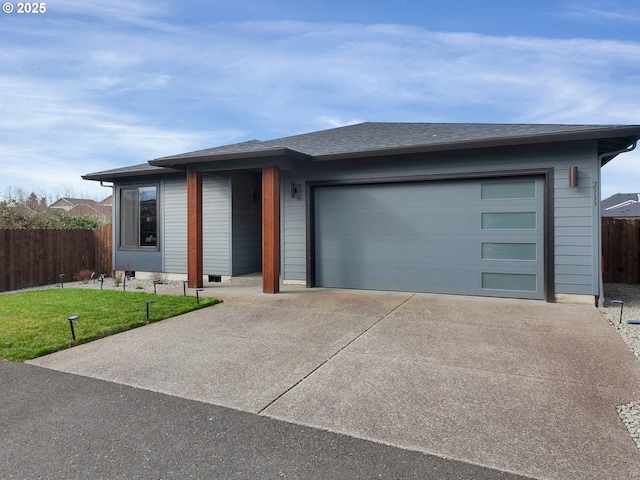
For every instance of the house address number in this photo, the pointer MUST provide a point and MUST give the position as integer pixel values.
(24, 7)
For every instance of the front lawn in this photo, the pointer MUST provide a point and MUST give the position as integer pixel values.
(36, 323)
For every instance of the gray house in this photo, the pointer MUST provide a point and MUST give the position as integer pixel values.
(473, 209)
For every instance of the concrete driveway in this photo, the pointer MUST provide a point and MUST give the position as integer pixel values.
(521, 386)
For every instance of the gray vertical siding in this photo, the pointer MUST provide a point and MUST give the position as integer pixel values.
(246, 223)
(575, 217)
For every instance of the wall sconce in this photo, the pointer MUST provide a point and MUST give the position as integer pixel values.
(573, 177)
(293, 193)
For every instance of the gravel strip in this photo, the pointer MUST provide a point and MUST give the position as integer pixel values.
(133, 285)
(630, 295)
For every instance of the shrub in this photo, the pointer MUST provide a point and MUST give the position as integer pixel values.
(117, 277)
(84, 276)
(159, 277)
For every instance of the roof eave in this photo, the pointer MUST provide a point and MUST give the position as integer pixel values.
(109, 176)
(488, 143)
(277, 152)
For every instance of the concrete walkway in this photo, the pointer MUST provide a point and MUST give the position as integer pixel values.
(520, 386)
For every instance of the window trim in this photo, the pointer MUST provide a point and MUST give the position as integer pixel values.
(128, 248)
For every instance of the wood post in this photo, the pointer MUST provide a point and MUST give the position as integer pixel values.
(270, 229)
(194, 229)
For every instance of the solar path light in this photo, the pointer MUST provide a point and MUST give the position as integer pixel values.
(149, 302)
(621, 303)
(71, 320)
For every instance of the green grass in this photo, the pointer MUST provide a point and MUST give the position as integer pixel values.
(36, 323)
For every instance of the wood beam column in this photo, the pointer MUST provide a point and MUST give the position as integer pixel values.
(194, 229)
(270, 229)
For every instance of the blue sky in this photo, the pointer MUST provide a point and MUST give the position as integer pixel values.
(89, 86)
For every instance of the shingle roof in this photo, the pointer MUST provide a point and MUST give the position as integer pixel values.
(620, 198)
(378, 139)
(621, 205)
(370, 139)
(627, 211)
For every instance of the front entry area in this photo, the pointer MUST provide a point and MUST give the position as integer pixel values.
(471, 237)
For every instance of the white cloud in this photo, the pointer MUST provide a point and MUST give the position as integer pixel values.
(96, 95)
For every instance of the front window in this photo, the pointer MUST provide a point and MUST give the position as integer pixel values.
(139, 217)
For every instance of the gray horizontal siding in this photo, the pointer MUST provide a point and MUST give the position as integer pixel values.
(216, 225)
(575, 216)
(175, 225)
(247, 224)
(216, 206)
(294, 238)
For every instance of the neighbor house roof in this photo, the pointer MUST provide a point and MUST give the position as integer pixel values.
(380, 139)
(621, 205)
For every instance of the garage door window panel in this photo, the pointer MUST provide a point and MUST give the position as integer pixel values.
(509, 251)
(508, 190)
(509, 221)
(510, 282)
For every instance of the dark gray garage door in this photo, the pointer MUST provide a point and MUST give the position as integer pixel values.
(479, 237)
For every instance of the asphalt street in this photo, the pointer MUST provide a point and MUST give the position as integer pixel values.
(60, 425)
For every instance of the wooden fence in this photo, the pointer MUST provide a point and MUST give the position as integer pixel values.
(621, 250)
(30, 258)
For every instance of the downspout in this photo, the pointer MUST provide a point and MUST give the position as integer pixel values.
(601, 157)
(112, 194)
(113, 221)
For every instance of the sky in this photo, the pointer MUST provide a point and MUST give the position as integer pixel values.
(87, 86)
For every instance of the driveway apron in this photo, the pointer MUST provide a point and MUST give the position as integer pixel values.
(522, 386)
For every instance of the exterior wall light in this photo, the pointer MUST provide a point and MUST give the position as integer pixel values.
(573, 177)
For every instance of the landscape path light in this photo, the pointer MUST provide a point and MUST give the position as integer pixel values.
(184, 287)
(148, 303)
(61, 276)
(198, 290)
(621, 303)
(71, 320)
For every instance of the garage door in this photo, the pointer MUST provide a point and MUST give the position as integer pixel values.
(471, 237)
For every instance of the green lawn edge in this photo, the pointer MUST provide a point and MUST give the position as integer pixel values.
(35, 323)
